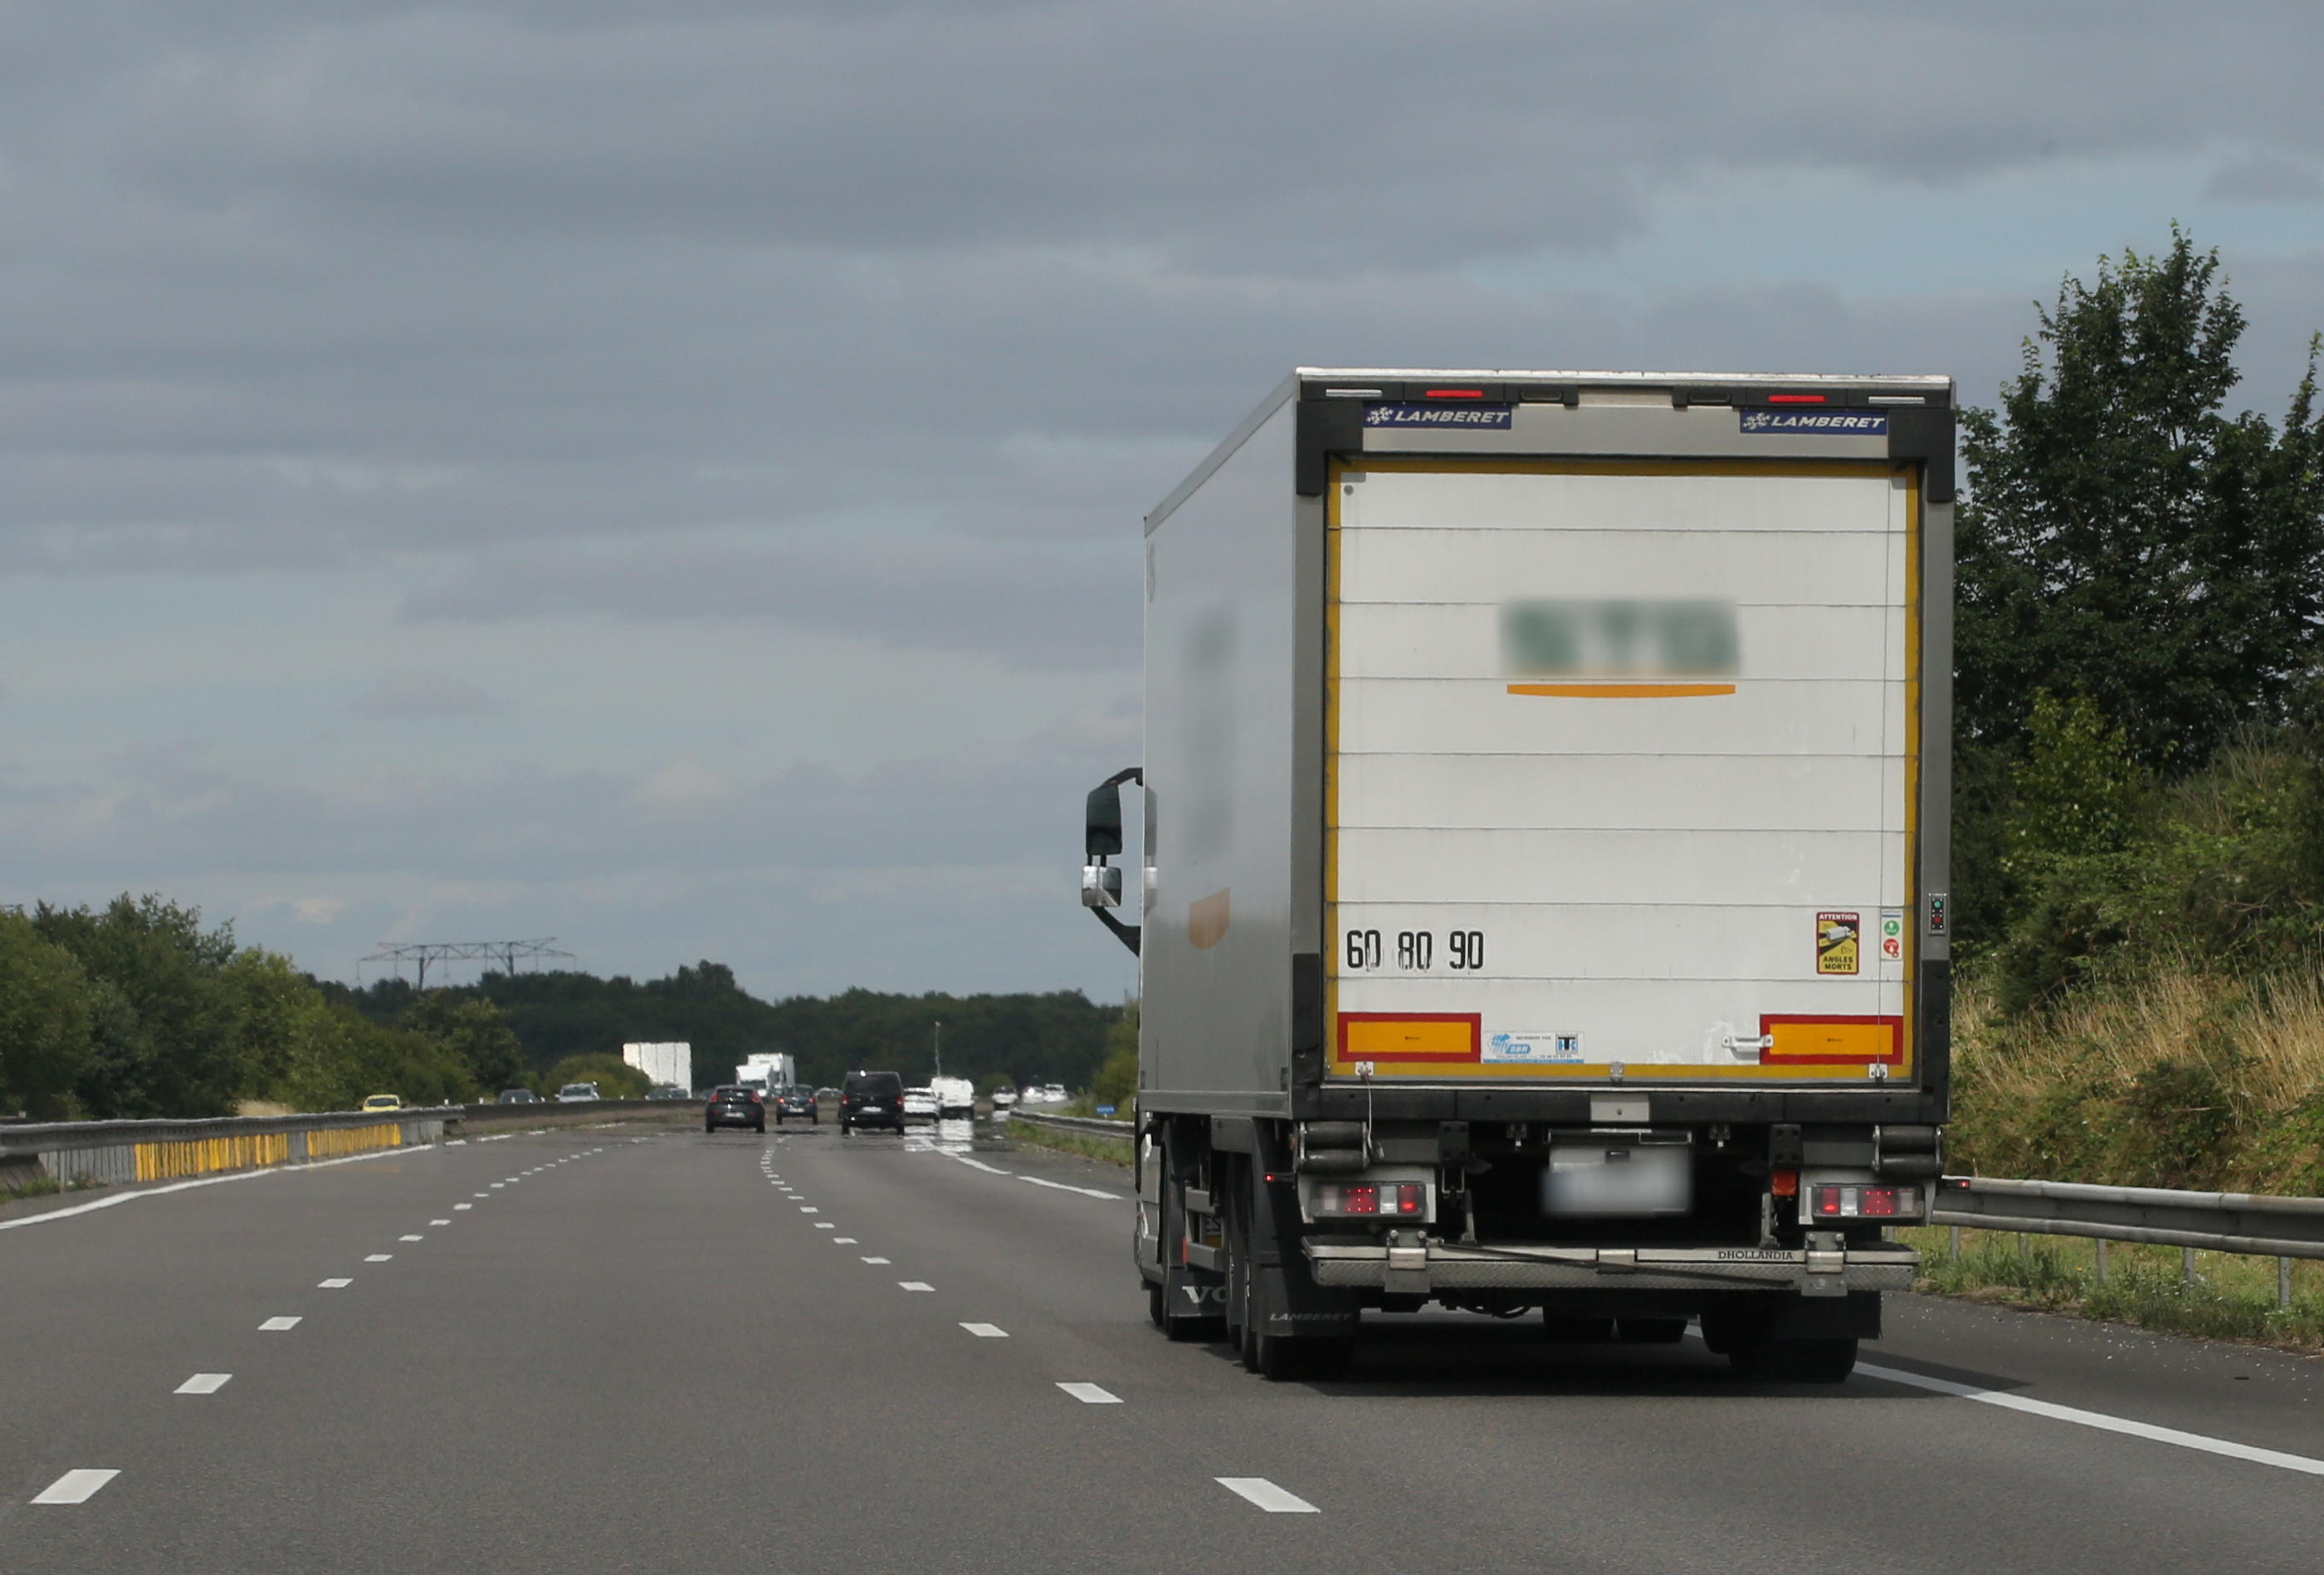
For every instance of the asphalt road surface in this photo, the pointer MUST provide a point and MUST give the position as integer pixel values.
(584, 1351)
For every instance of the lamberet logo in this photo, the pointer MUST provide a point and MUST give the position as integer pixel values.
(1489, 417)
(1853, 423)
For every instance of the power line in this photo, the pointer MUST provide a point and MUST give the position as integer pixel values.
(424, 952)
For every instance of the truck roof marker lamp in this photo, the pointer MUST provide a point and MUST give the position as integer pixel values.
(1102, 840)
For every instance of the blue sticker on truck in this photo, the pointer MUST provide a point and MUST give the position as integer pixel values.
(1848, 423)
(1485, 417)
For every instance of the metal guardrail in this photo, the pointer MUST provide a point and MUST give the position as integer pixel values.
(125, 1153)
(2220, 1222)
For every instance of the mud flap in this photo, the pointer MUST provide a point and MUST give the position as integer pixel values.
(1285, 1295)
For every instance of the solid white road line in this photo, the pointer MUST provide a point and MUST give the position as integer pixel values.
(2100, 1421)
(875, 1260)
(1084, 1191)
(915, 1284)
(338, 1284)
(1091, 1395)
(275, 1325)
(379, 1257)
(1266, 1495)
(77, 1210)
(203, 1384)
(986, 1331)
(74, 1487)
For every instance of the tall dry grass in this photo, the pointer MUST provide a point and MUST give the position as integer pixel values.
(2175, 1077)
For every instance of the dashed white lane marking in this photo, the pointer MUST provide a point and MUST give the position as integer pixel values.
(439, 1222)
(496, 1187)
(986, 1331)
(914, 1285)
(2100, 1421)
(203, 1384)
(1266, 1495)
(875, 1260)
(810, 1210)
(379, 1257)
(333, 1284)
(460, 1205)
(844, 1241)
(1091, 1395)
(1084, 1191)
(276, 1325)
(416, 1238)
(74, 1487)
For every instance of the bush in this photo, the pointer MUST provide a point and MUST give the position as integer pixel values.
(615, 1077)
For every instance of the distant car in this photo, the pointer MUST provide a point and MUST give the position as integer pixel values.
(920, 1102)
(826, 1097)
(799, 1099)
(577, 1094)
(384, 1102)
(1053, 1094)
(1004, 1099)
(518, 1096)
(732, 1105)
(668, 1091)
(871, 1099)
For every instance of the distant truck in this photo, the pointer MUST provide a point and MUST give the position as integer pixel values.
(670, 1062)
(771, 1073)
(955, 1097)
(1546, 807)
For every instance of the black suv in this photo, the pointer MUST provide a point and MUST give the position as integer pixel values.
(799, 1099)
(732, 1105)
(871, 1099)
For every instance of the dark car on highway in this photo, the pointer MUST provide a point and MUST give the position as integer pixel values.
(799, 1099)
(731, 1105)
(871, 1099)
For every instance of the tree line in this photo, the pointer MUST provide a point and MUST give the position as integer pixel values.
(139, 1009)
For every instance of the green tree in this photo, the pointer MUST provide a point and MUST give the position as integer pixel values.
(2076, 789)
(475, 1031)
(615, 1077)
(2123, 537)
(1116, 1083)
(44, 1022)
(176, 1049)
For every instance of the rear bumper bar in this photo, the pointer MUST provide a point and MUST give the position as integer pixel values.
(1450, 1266)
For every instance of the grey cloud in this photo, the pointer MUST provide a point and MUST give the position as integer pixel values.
(424, 694)
(2263, 180)
(1034, 604)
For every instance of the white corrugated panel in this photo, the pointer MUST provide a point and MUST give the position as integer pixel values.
(1648, 876)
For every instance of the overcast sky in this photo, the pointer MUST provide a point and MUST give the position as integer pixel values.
(666, 475)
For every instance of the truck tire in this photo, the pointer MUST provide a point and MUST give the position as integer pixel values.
(1154, 1303)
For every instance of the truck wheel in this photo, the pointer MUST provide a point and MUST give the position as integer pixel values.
(1154, 1303)
(1796, 1361)
(711, 1127)
(843, 1130)
(1651, 1331)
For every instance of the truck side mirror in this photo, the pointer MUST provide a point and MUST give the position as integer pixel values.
(1102, 840)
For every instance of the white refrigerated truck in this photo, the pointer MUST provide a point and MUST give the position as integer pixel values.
(1544, 842)
(667, 1063)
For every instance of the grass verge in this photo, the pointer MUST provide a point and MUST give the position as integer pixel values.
(31, 1187)
(1088, 1145)
(2229, 1297)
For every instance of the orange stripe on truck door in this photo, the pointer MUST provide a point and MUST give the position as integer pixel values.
(1411, 1036)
